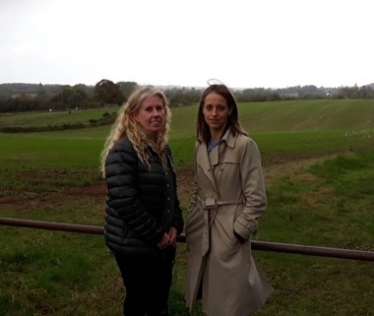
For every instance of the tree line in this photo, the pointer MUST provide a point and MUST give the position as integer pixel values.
(20, 97)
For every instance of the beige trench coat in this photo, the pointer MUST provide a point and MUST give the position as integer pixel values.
(230, 196)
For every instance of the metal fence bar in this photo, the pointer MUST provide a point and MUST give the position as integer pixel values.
(256, 245)
(74, 228)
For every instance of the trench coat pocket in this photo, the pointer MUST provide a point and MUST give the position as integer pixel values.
(239, 238)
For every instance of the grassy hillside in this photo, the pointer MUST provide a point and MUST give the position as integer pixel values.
(52, 118)
(282, 116)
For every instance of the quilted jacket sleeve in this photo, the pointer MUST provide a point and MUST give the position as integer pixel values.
(178, 221)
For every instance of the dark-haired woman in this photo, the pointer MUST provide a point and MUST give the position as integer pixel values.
(229, 198)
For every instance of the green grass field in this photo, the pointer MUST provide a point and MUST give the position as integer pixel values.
(53, 118)
(318, 161)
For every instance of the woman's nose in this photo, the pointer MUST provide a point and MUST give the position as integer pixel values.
(155, 113)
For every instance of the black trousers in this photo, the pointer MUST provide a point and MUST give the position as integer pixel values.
(147, 281)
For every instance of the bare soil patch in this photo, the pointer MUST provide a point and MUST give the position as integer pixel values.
(94, 194)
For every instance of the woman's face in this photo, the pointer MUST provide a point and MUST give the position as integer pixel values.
(151, 115)
(216, 112)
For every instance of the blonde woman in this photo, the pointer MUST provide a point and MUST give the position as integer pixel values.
(143, 214)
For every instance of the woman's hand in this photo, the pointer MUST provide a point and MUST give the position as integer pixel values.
(173, 235)
(168, 239)
(164, 242)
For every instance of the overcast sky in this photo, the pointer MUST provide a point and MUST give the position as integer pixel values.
(243, 43)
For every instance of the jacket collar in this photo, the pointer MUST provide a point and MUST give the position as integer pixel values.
(228, 138)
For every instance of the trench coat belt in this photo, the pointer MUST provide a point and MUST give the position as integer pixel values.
(210, 205)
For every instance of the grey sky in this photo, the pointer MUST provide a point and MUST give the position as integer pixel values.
(243, 43)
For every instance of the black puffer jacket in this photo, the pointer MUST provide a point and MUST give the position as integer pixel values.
(140, 206)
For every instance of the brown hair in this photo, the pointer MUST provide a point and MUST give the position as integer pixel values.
(232, 121)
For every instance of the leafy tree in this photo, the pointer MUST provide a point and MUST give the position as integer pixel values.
(66, 94)
(77, 97)
(88, 90)
(107, 92)
(40, 91)
(127, 87)
(182, 96)
(366, 92)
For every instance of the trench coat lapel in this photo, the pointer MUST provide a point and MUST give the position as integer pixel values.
(203, 160)
(208, 162)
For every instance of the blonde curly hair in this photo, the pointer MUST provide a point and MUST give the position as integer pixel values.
(126, 125)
